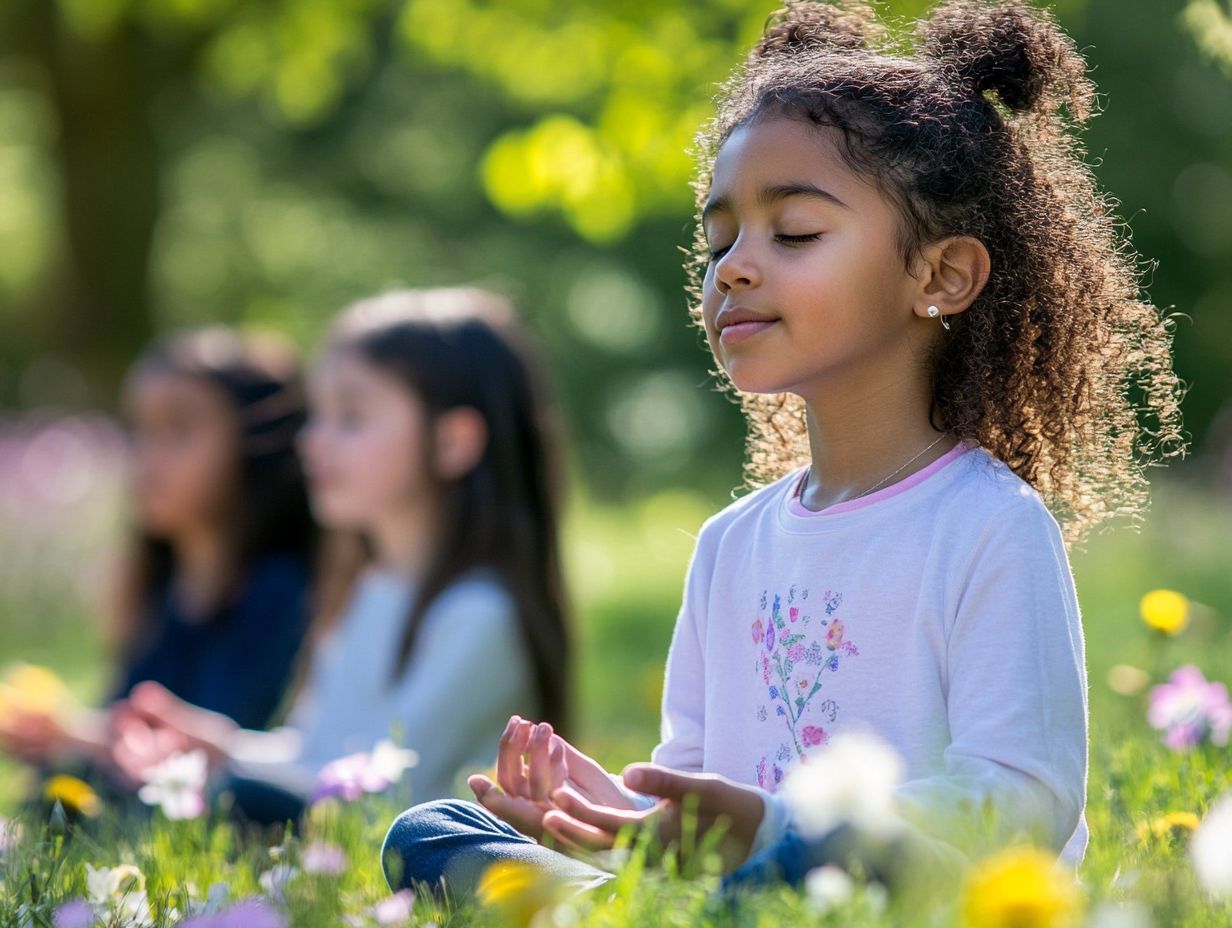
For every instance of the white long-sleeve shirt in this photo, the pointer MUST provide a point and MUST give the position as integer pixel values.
(938, 612)
(468, 671)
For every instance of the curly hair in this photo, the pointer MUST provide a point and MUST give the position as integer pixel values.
(969, 127)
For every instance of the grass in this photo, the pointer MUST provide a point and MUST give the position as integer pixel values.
(627, 568)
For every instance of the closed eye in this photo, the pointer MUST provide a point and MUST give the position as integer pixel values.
(798, 239)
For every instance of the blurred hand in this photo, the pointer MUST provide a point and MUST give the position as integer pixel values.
(153, 723)
(34, 737)
(581, 825)
(533, 763)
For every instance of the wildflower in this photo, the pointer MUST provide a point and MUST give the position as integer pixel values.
(275, 881)
(74, 914)
(177, 785)
(32, 689)
(395, 910)
(851, 779)
(118, 895)
(350, 777)
(323, 858)
(1127, 680)
(517, 890)
(248, 913)
(1020, 888)
(1209, 849)
(1173, 825)
(1119, 915)
(10, 834)
(828, 887)
(73, 794)
(1189, 708)
(1165, 611)
(759, 632)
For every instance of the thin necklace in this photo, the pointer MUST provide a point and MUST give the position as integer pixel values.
(884, 480)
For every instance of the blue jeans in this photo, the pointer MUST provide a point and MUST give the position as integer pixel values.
(449, 843)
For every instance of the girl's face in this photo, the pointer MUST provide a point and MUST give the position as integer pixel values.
(805, 280)
(364, 447)
(186, 446)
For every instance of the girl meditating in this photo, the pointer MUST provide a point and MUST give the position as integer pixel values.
(907, 274)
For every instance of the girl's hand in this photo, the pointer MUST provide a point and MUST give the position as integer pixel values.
(192, 727)
(34, 737)
(533, 763)
(584, 826)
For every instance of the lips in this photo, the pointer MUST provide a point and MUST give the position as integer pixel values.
(739, 324)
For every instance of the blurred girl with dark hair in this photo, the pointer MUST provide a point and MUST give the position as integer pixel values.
(214, 603)
(432, 454)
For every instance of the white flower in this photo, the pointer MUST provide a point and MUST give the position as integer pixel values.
(274, 881)
(118, 895)
(1119, 915)
(851, 780)
(176, 785)
(1211, 849)
(10, 834)
(828, 887)
(389, 761)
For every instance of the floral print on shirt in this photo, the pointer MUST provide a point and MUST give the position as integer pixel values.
(794, 651)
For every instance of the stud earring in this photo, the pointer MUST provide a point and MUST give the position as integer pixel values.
(934, 312)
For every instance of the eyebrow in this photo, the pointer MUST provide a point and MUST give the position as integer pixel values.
(775, 193)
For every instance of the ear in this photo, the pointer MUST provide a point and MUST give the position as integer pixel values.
(461, 438)
(953, 271)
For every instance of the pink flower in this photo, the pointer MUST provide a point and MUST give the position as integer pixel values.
(793, 613)
(765, 669)
(813, 736)
(323, 858)
(795, 652)
(759, 632)
(350, 777)
(1189, 708)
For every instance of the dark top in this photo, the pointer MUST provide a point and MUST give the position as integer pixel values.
(240, 661)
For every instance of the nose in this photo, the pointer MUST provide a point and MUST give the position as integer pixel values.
(735, 269)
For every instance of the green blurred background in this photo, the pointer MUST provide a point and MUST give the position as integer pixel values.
(173, 162)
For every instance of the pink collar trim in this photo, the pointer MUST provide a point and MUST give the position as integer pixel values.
(796, 507)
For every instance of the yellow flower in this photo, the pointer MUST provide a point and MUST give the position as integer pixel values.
(517, 890)
(31, 689)
(1166, 611)
(1020, 888)
(74, 794)
(1174, 825)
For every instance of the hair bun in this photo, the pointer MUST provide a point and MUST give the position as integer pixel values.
(808, 25)
(1011, 49)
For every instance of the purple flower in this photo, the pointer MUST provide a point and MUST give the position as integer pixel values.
(350, 777)
(250, 913)
(323, 858)
(774, 692)
(770, 637)
(1189, 708)
(75, 914)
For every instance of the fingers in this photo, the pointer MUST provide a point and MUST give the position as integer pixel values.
(541, 772)
(664, 782)
(592, 779)
(576, 835)
(600, 817)
(480, 785)
(522, 814)
(510, 767)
